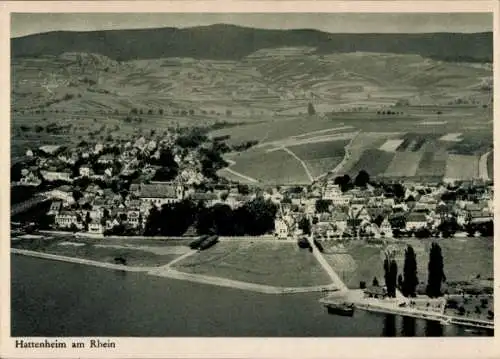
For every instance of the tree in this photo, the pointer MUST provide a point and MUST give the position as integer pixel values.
(362, 179)
(310, 109)
(243, 189)
(390, 276)
(387, 277)
(305, 225)
(15, 172)
(217, 219)
(436, 274)
(423, 232)
(152, 226)
(393, 277)
(400, 282)
(410, 280)
(176, 218)
(88, 219)
(323, 205)
(77, 195)
(344, 182)
(448, 227)
(257, 216)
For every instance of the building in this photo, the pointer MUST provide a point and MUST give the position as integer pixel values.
(55, 207)
(134, 218)
(159, 194)
(66, 219)
(339, 220)
(478, 217)
(63, 193)
(415, 221)
(386, 228)
(30, 179)
(375, 292)
(106, 159)
(333, 193)
(281, 229)
(56, 175)
(50, 149)
(95, 227)
(85, 171)
(98, 148)
(209, 198)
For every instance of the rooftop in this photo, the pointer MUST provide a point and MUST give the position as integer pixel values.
(158, 190)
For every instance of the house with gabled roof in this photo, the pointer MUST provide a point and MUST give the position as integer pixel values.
(159, 194)
(339, 219)
(55, 207)
(416, 220)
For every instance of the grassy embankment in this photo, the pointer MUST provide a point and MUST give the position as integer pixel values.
(273, 263)
(152, 254)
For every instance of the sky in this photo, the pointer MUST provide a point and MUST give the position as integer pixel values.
(30, 23)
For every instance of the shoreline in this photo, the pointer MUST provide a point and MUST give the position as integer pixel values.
(384, 308)
(167, 272)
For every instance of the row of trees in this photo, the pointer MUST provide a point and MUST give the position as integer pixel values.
(408, 281)
(183, 112)
(256, 217)
(346, 183)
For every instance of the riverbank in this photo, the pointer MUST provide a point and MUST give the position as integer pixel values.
(168, 272)
(400, 307)
(89, 262)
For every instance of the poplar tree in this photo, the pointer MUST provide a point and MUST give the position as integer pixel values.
(410, 279)
(436, 271)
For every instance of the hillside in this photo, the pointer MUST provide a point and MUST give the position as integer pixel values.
(267, 82)
(229, 42)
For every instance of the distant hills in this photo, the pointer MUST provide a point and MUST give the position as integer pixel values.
(229, 42)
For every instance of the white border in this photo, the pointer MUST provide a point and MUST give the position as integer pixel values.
(455, 348)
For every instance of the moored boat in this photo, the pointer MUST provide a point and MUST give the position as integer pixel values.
(346, 309)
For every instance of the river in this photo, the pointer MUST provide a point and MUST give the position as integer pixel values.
(51, 298)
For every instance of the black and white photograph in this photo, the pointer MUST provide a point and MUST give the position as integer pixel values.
(274, 174)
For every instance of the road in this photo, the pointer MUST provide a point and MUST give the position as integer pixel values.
(326, 266)
(250, 179)
(483, 166)
(311, 178)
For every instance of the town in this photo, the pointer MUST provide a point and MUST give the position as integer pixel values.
(167, 185)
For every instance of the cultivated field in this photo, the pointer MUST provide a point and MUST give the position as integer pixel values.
(462, 167)
(374, 161)
(433, 163)
(267, 94)
(257, 164)
(403, 164)
(255, 262)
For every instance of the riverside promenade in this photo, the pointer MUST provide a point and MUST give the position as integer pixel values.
(400, 307)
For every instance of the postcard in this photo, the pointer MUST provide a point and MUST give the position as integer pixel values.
(248, 179)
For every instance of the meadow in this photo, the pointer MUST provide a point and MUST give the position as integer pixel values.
(254, 262)
(88, 250)
(362, 262)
